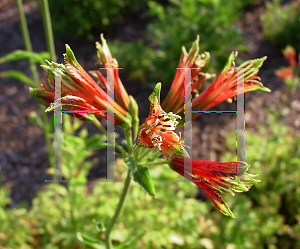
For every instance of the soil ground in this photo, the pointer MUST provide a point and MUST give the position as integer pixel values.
(23, 154)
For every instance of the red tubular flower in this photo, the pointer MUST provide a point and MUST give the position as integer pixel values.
(225, 85)
(290, 54)
(106, 59)
(215, 178)
(45, 97)
(159, 129)
(197, 63)
(79, 91)
(285, 73)
(222, 88)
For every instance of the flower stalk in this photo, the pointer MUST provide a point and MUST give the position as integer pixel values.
(113, 220)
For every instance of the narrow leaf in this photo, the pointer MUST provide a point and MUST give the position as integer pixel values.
(143, 178)
(95, 141)
(21, 54)
(36, 119)
(131, 243)
(17, 75)
(89, 241)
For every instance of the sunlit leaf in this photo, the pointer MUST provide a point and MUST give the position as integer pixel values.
(21, 54)
(17, 75)
(143, 178)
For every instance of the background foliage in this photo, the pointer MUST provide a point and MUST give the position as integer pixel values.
(65, 215)
(75, 19)
(268, 216)
(281, 23)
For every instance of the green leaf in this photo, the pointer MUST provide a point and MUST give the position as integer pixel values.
(96, 141)
(130, 162)
(21, 54)
(295, 160)
(131, 243)
(36, 119)
(89, 241)
(17, 75)
(140, 175)
(143, 178)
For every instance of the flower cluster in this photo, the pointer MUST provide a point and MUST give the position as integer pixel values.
(291, 74)
(158, 130)
(81, 93)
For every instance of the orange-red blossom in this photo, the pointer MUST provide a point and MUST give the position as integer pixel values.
(80, 93)
(158, 130)
(215, 178)
(222, 88)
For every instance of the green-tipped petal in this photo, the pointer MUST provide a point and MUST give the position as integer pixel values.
(193, 52)
(226, 210)
(42, 96)
(257, 88)
(70, 58)
(230, 61)
(155, 96)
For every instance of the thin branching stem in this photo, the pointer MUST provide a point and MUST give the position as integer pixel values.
(27, 41)
(113, 220)
(35, 75)
(48, 29)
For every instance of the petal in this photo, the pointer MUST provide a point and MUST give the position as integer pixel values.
(171, 145)
(154, 98)
(214, 196)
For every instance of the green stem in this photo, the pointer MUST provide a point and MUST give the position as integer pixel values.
(128, 136)
(27, 41)
(143, 153)
(47, 137)
(122, 199)
(51, 50)
(156, 163)
(101, 128)
(72, 196)
(35, 75)
(136, 154)
(48, 29)
(108, 241)
(99, 125)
